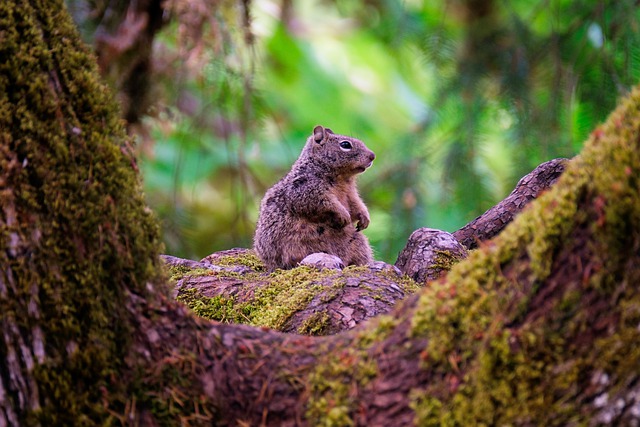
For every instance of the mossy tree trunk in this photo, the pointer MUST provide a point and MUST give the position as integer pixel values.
(77, 242)
(539, 326)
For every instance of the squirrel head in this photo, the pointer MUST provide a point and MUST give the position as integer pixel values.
(343, 154)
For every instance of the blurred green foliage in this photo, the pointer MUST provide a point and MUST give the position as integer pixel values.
(459, 99)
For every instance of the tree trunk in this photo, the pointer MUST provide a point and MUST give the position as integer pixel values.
(537, 327)
(124, 34)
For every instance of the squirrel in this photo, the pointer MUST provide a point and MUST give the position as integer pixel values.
(316, 206)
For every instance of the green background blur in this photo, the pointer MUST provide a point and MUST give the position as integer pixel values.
(458, 99)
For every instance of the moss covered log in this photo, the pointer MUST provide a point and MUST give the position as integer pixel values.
(539, 326)
(236, 288)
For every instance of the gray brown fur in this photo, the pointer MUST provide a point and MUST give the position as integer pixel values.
(316, 206)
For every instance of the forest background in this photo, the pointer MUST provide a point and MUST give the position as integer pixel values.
(458, 99)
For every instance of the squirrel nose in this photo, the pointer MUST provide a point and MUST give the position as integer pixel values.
(372, 156)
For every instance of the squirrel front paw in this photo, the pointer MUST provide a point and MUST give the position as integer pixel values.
(362, 221)
(340, 219)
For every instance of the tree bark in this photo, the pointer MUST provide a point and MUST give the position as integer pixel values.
(304, 300)
(538, 327)
(124, 36)
(429, 253)
(490, 223)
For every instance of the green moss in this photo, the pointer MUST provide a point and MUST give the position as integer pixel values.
(527, 374)
(248, 259)
(334, 385)
(340, 374)
(316, 324)
(459, 317)
(287, 292)
(81, 240)
(445, 260)
(462, 308)
(219, 308)
(380, 328)
(177, 272)
(280, 295)
(429, 410)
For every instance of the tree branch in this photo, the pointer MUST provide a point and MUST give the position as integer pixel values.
(490, 223)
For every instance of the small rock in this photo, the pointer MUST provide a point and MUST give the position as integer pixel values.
(322, 260)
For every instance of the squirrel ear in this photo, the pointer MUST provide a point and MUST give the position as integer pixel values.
(318, 133)
(328, 130)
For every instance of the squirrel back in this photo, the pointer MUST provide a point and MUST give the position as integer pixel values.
(316, 206)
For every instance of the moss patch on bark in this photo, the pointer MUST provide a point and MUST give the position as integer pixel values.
(529, 321)
(75, 232)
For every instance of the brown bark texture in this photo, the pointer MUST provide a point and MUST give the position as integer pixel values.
(537, 327)
(304, 300)
(490, 223)
(123, 43)
(429, 253)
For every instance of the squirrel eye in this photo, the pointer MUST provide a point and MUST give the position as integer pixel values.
(345, 145)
